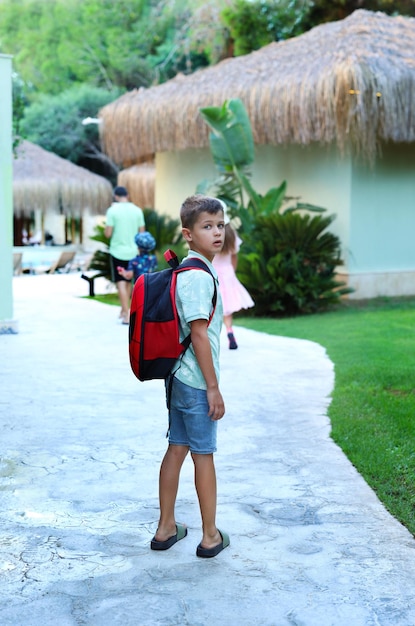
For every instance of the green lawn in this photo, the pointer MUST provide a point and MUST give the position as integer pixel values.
(372, 346)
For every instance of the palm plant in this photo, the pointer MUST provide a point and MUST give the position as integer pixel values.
(164, 229)
(101, 261)
(289, 264)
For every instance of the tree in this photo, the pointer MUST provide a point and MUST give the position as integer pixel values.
(55, 123)
(253, 25)
(20, 102)
(332, 10)
(132, 43)
(128, 43)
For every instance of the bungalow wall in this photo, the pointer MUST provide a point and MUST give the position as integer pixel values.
(374, 207)
(382, 224)
(177, 176)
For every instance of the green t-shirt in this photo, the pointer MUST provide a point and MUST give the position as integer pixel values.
(194, 293)
(126, 219)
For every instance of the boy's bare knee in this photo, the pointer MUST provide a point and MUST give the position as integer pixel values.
(178, 452)
(200, 459)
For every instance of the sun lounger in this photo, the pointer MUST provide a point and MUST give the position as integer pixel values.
(17, 263)
(63, 263)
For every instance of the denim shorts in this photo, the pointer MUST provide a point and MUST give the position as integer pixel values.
(189, 422)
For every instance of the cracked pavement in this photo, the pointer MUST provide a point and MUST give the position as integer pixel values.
(81, 444)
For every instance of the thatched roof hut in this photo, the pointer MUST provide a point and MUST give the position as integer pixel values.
(351, 82)
(140, 182)
(42, 180)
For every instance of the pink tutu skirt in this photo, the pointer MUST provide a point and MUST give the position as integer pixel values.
(234, 295)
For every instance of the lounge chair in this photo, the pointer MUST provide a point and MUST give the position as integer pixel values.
(63, 264)
(17, 263)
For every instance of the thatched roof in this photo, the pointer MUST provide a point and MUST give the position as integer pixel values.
(351, 81)
(43, 180)
(140, 182)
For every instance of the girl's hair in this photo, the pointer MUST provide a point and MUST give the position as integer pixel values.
(230, 238)
(193, 206)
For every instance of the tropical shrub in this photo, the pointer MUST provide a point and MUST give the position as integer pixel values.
(55, 124)
(289, 263)
(165, 230)
(101, 258)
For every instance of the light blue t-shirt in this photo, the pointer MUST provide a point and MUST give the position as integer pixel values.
(126, 219)
(194, 293)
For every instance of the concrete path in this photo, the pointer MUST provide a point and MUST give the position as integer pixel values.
(81, 443)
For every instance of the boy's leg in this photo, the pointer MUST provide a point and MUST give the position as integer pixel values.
(205, 481)
(124, 294)
(168, 486)
(124, 287)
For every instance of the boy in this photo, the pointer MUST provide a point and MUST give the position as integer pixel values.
(195, 402)
(143, 262)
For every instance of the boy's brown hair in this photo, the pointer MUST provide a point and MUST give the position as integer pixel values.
(193, 206)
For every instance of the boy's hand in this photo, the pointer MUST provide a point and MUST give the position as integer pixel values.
(216, 404)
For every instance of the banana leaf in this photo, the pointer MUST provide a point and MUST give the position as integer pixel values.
(231, 140)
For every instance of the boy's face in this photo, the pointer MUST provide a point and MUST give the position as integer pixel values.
(207, 235)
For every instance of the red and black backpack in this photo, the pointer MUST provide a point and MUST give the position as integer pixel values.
(154, 338)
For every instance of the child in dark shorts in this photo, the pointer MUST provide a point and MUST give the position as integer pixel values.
(195, 402)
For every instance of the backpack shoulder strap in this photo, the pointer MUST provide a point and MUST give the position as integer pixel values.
(196, 264)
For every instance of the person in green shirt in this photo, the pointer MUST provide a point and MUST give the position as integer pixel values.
(123, 220)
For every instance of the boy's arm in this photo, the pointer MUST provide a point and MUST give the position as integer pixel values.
(203, 352)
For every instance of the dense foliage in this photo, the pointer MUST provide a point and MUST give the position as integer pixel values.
(127, 43)
(253, 25)
(165, 230)
(288, 263)
(256, 23)
(55, 123)
(332, 10)
(87, 52)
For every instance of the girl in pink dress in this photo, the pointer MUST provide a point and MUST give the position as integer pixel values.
(234, 295)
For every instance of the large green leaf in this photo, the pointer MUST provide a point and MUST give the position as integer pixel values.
(254, 197)
(231, 140)
(273, 199)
